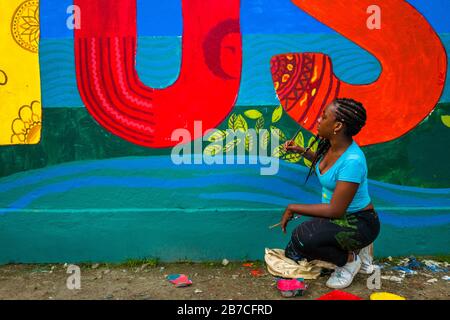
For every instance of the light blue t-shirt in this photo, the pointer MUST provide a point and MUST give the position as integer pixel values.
(350, 167)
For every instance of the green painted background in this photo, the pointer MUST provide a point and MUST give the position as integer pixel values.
(419, 158)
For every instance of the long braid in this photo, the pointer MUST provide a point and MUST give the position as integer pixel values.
(349, 112)
(322, 148)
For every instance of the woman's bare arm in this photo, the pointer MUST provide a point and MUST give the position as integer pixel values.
(341, 199)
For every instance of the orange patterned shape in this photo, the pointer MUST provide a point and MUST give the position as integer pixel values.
(412, 78)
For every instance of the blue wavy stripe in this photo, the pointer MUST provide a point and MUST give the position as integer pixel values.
(287, 186)
(388, 186)
(248, 197)
(140, 182)
(126, 164)
(386, 217)
(136, 182)
(159, 59)
(408, 199)
(291, 172)
(257, 17)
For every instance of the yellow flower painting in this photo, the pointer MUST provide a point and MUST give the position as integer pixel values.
(20, 88)
(27, 127)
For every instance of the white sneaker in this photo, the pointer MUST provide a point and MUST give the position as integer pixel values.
(342, 277)
(366, 258)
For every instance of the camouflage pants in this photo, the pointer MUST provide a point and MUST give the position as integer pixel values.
(332, 239)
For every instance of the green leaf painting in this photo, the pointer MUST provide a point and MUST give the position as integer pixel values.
(253, 114)
(300, 140)
(249, 142)
(446, 120)
(259, 124)
(230, 145)
(237, 122)
(213, 149)
(277, 113)
(218, 135)
(292, 157)
(278, 152)
(264, 139)
(278, 133)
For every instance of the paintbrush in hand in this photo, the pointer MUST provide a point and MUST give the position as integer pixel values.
(279, 224)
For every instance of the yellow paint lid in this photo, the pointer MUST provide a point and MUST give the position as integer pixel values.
(385, 296)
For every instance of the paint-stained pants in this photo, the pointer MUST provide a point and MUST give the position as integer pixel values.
(331, 240)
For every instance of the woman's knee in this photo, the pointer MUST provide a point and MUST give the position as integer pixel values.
(302, 239)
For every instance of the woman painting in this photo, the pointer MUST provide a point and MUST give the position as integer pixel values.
(345, 223)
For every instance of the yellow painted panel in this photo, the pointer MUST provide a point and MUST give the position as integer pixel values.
(20, 86)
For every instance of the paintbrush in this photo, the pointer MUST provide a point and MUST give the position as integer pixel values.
(293, 139)
(296, 134)
(279, 224)
(307, 149)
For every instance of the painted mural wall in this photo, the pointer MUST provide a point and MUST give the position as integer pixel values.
(97, 96)
(19, 73)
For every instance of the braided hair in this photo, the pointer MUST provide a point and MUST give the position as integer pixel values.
(352, 114)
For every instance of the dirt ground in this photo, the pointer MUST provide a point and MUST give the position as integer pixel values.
(146, 281)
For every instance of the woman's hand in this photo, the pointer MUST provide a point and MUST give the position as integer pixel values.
(288, 215)
(291, 146)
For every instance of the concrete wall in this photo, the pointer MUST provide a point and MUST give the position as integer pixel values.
(84, 192)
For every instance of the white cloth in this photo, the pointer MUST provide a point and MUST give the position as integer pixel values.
(281, 266)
